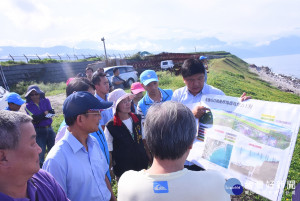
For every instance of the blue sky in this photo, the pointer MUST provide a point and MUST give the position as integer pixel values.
(148, 25)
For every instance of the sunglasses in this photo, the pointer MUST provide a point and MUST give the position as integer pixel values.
(35, 94)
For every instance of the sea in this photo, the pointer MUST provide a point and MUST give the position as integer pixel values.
(285, 64)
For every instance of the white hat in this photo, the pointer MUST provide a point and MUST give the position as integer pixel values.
(116, 96)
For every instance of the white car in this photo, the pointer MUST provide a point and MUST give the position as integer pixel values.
(3, 94)
(165, 65)
(127, 73)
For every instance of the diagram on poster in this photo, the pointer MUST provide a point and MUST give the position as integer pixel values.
(252, 141)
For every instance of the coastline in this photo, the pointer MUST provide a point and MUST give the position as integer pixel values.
(282, 82)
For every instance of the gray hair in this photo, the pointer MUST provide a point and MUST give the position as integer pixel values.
(10, 128)
(170, 129)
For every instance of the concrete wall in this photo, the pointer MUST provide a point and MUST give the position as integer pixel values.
(54, 72)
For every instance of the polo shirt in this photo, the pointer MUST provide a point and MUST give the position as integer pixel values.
(81, 173)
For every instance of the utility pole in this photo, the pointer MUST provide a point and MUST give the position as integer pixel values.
(103, 40)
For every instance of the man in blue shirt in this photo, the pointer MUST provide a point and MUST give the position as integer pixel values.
(76, 161)
(154, 94)
(14, 101)
(102, 88)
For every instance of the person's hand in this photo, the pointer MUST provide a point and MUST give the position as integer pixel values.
(244, 97)
(199, 111)
(46, 112)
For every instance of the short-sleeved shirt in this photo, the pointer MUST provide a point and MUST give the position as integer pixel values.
(80, 173)
(176, 186)
(41, 186)
(183, 95)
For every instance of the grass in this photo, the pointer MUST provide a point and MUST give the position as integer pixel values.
(50, 89)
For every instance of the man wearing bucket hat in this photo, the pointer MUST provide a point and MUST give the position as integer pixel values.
(39, 108)
(137, 89)
(14, 101)
(76, 161)
(154, 94)
(124, 136)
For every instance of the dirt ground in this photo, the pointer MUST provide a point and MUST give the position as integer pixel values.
(56, 103)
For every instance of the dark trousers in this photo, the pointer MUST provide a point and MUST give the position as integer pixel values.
(44, 137)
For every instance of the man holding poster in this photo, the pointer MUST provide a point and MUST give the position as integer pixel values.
(193, 74)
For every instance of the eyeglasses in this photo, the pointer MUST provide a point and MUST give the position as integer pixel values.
(36, 94)
(125, 101)
(95, 112)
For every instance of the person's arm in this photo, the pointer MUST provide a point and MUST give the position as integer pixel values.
(140, 112)
(109, 140)
(112, 198)
(116, 80)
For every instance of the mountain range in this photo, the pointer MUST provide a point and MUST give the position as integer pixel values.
(281, 46)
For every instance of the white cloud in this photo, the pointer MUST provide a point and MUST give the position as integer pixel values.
(127, 25)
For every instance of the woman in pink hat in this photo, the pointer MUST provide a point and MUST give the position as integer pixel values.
(137, 89)
(124, 136)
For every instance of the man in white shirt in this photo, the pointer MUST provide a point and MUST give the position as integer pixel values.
(193, 74)
(170, 131)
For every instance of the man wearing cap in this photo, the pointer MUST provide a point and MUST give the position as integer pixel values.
(154, 94)
(76, 161)
(20, 175)
(137, 89)
(203, 59)
(14, 101)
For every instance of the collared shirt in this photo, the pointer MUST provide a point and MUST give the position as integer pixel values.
(34, 109)
(145, 103)
(99, 135)
(81, 173)
(42, 185)
(106, 114)
(183, 95)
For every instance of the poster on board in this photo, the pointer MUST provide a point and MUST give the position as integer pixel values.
(252, 141)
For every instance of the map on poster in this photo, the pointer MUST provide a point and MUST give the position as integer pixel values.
(252, 141)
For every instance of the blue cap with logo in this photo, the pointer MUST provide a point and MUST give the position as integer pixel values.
(202, 57)
(82, 101)
(14, 98)
(148, 76)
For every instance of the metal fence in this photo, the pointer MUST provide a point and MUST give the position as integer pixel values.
(61, 57)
